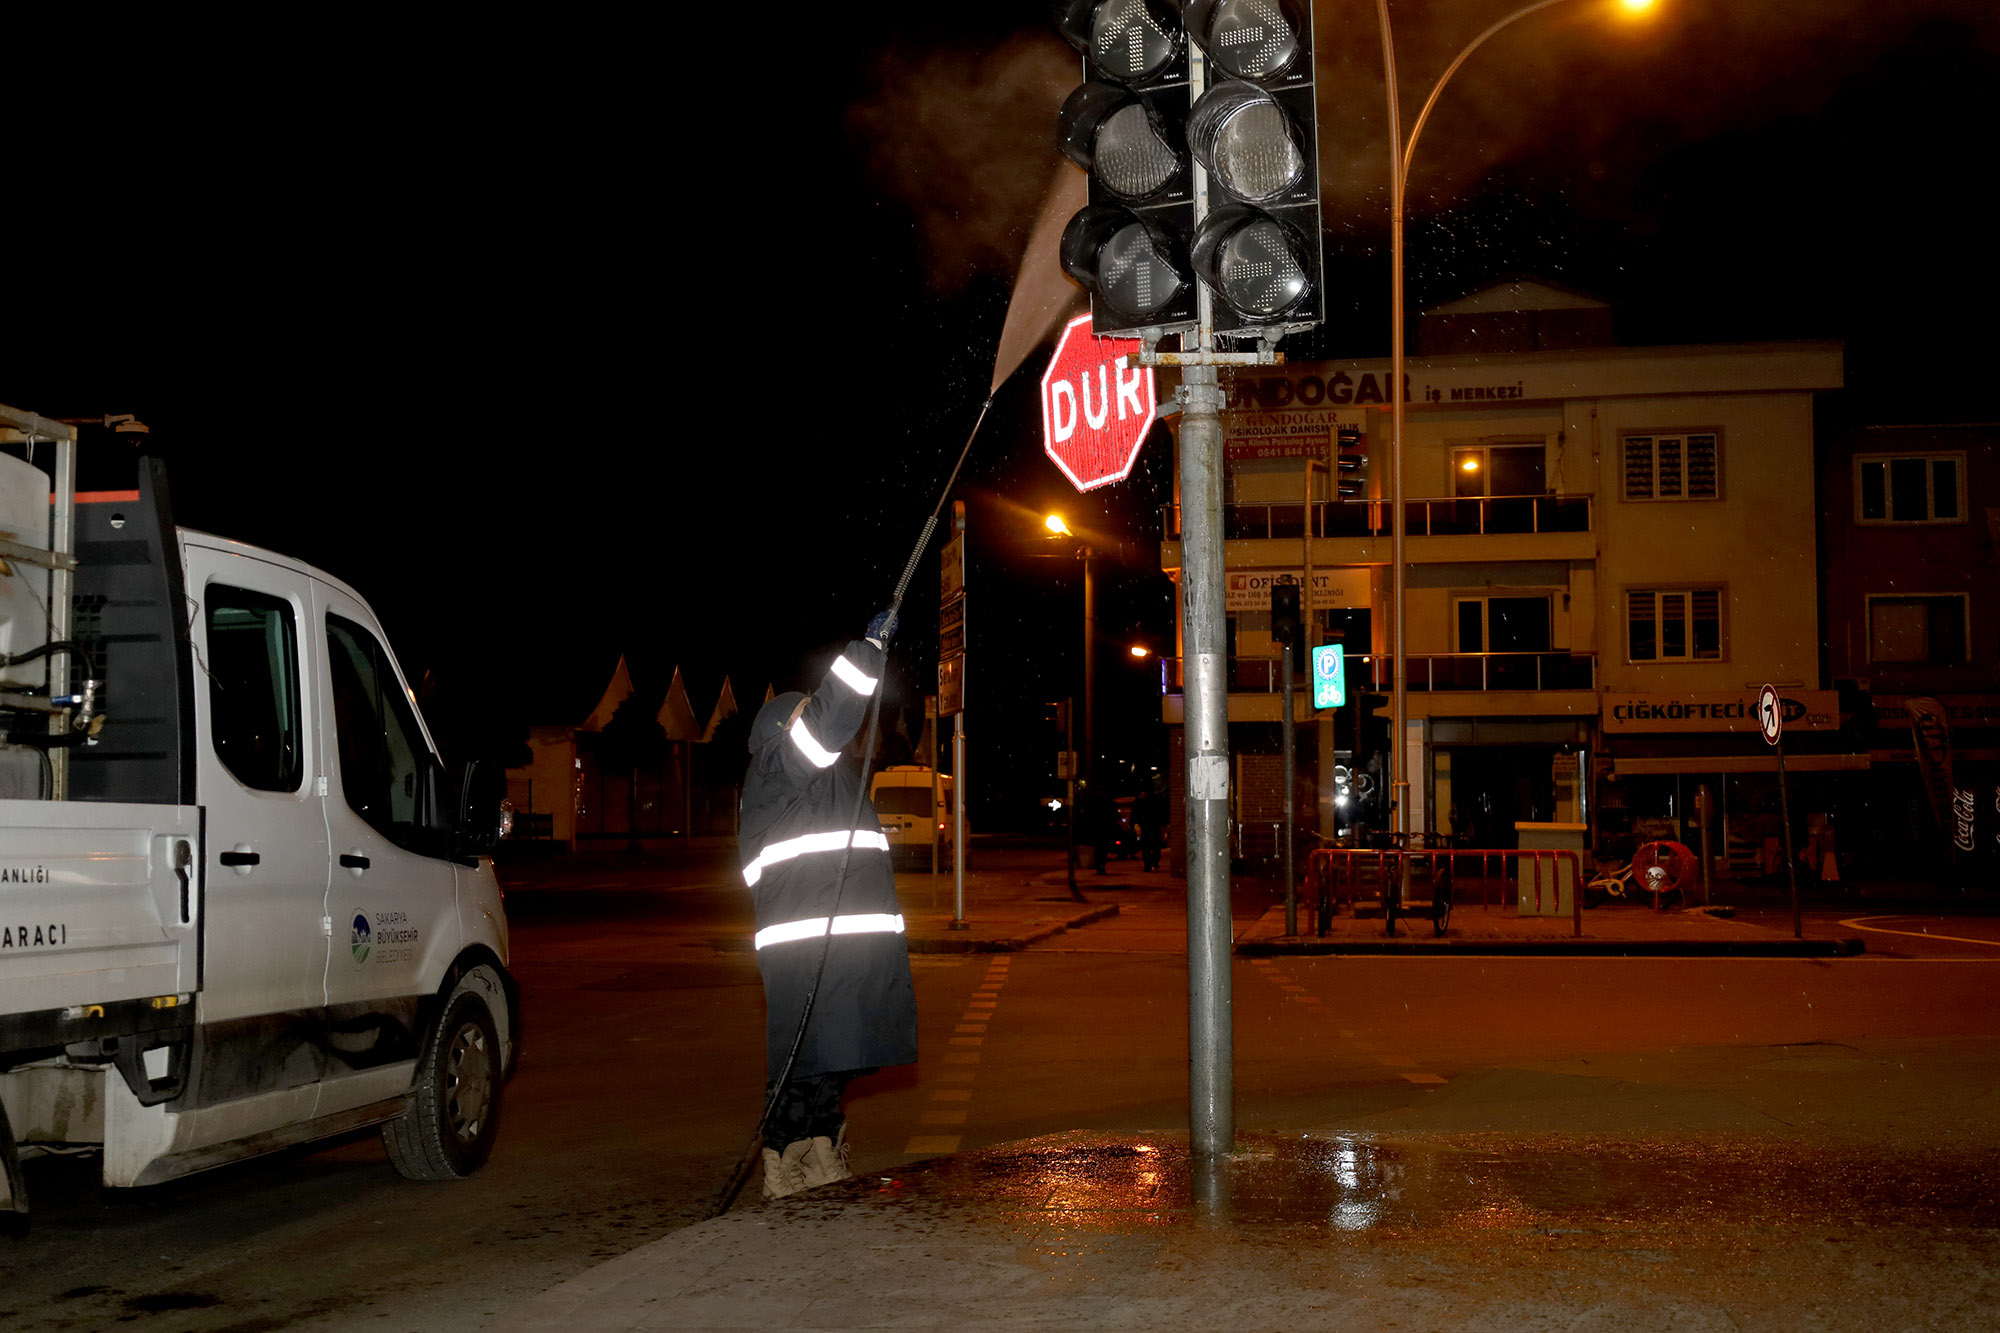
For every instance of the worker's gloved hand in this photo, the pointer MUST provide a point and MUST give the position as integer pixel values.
(882, 628)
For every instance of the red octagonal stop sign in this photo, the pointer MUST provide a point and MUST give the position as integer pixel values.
(1097, 405)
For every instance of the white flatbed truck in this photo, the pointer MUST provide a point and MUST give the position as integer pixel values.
(243, 904)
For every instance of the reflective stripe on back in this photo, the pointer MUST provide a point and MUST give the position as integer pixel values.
(812, 928)
(779, 852)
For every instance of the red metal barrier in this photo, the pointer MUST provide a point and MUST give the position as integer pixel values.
(1329, 869)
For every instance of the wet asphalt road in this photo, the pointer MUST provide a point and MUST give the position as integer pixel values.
(1657, 1102)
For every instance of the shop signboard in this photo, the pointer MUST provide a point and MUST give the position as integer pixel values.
(1335, 589)
(1719, 713)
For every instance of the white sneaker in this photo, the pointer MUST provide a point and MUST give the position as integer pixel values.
(826, 1161)
(785, 1173)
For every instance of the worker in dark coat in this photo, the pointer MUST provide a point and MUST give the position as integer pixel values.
(817, 863)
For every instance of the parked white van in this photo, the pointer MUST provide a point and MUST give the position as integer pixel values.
(915, 808)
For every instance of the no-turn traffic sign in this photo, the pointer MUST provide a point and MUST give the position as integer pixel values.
(1098, 402)
(1770, 714)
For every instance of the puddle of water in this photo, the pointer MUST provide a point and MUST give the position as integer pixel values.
(1358, 1183)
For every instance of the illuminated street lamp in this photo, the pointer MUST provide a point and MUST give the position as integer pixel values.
(1400, 155)
(1057, 528)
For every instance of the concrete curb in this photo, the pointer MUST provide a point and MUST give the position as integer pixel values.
(1013, 943)
(1571, 948)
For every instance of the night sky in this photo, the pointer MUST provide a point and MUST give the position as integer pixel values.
(559, 341)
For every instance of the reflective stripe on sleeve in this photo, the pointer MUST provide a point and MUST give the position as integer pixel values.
(812, 928)
(854, 677)
(810, 748)
(778, 852)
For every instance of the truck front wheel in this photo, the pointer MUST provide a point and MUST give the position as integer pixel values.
(454, 1112)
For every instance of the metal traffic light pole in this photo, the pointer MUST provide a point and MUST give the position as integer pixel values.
(1211, 1040)
(1253, 264)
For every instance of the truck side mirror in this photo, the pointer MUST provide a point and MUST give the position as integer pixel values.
(485, 815)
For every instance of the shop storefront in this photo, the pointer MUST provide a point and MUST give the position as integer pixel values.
(1666, 758)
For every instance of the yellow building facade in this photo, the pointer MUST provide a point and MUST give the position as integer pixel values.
(1607, 550)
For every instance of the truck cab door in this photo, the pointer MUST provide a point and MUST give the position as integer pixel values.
(393, 896)
(257, 773)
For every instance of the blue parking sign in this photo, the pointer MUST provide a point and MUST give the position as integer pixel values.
(1329, 676)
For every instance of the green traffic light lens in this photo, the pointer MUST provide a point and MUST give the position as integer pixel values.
(1125, 262)
(1134, 40)
(1133, 275)
(1249, 39)
(1257, 269)
(1132, 160)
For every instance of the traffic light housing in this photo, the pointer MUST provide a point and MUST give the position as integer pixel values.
(1351, 464)
(1372, 737)
(1133, 126)
(1285, 612)
(1286, 624)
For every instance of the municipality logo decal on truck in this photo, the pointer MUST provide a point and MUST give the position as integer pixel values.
(210, 758)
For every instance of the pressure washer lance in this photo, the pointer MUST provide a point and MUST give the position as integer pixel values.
(751, 1154)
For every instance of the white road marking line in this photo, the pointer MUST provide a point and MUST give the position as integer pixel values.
(1855, 923)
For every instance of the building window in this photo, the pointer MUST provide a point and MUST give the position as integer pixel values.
(1674, 625)
(1503, 624)
(1673, 467)
(1498, 469)
(1917, 631)
(1913, 488)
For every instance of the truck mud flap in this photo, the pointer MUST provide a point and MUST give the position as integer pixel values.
(13, 1188)
(173, 1052)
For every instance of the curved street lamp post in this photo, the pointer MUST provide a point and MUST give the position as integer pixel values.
(1400, 156)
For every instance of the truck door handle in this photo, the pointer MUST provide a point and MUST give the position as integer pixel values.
(240, 858)
(350, 861)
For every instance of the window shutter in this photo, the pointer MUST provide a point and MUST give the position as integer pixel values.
(1668, 486)
(1641, 635)
(1639, 467)
(1701, 469)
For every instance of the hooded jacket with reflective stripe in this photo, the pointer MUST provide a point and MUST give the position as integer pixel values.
(799, 797)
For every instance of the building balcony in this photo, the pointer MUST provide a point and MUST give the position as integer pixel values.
(1430, 673)
(1247, 520)
(1265, 534)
